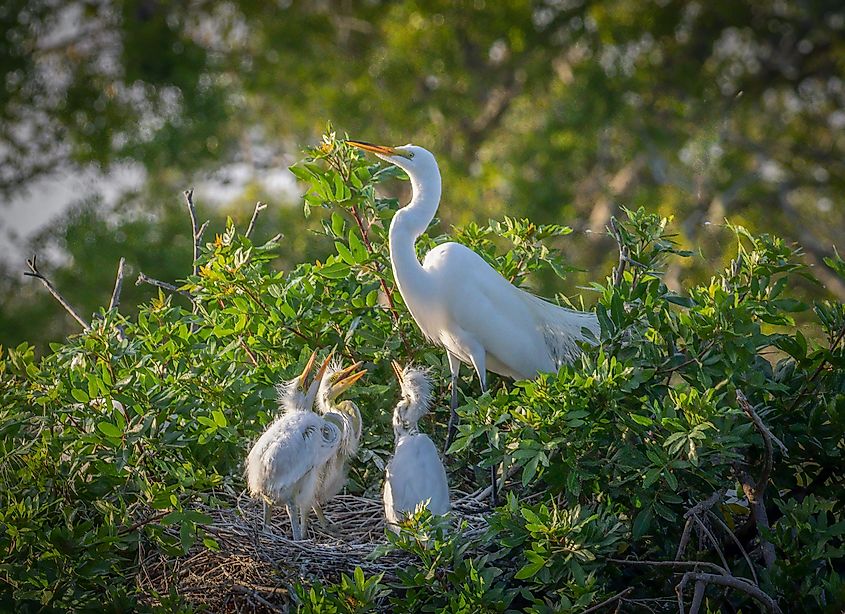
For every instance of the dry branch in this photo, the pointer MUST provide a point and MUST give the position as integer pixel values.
(617, 597)
(259, 207)
(34, 272)
(729, 582)
(114, 303)
(755, 491)
(143, 279)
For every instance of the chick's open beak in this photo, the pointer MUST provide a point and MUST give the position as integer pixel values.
(345, 378)
(397, 370)
(376, 149)
(310, 365)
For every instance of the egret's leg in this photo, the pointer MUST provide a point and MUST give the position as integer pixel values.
(294, 526)
(303, 521)
(455, 369)
(321, 518)
(478, 361)
(268, 514)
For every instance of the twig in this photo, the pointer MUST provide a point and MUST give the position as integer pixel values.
(697, 597)
(624, 254)
(635, 562)
(33, 268)
(114, 303)
(803, 390)
(713, 540)
(617, 597)
(382, 283)
(259, 206)
(682, 543)
(706, 504)
(143, 279)
(755, 491)
(195, 234)
(254, 594)
(738, 544)
(729, 582)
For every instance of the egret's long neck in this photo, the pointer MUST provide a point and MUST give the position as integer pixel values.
(407, 225)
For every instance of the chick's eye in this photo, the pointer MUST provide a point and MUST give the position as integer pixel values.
(327, 433)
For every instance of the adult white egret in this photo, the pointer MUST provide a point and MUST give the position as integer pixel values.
(415, 474)
(284, 465)
(335, 381)
(463, 304)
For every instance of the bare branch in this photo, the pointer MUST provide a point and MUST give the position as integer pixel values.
(254, 594)
(736, 541)
(693, 564)
(682, 543)
(697, 597)
(706, 504)
(143, 279)
(259, 207)
(617, 597)
(34, 272)
(729, 582)
(624, 254)
(713, 540)
(114, 303)
(196, 233)
(755, 491)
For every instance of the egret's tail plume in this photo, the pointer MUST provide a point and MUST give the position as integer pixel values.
(564, 328)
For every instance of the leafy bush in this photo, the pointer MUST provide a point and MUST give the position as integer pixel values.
(643, 453)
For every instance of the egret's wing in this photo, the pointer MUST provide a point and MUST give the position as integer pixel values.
(285, 453)
(521, 334)
(414, 475)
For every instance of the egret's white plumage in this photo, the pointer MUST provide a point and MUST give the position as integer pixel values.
(346, 415)
(462, 303)
(283, 466)
(415, 474)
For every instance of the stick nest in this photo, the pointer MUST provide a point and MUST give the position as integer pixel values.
(254, 569)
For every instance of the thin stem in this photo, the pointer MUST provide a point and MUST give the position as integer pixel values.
(382, 283)
(34, 272)
(259, 207)
(114, 303)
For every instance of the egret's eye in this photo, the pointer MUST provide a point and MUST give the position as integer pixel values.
(410, 154)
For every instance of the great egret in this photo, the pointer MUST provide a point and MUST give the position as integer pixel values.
(345, 413)
(463, 304)
(284, 464)
(415, 474)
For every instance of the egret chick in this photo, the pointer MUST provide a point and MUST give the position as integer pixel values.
(415, 474)
(283, 466)
(333, 474)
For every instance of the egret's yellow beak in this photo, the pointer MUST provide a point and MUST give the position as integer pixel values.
(382, 150)
(343, 380)
(310, 365)
(376, 149)
(398, 371)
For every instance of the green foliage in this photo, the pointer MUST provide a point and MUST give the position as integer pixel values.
(111, 439)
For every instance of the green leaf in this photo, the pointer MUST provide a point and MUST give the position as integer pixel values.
(642, 523)
(80, 395)
(109, 430)
(219, 418)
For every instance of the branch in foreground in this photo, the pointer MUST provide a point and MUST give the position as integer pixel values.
(755, 491)
(259, 207)
(617, 597)
(143, 279)
(34, 272)
(729, 582)
(114, 303)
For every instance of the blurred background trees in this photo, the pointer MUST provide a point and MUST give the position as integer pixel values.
(561, 111)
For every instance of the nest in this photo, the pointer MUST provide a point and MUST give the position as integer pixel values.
(254, 569)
